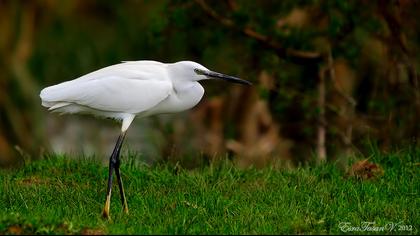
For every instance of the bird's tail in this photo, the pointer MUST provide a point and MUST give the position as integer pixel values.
(50, 104)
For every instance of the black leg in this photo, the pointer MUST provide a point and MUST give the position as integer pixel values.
(113, 160)
(121, 187)
(119, 181)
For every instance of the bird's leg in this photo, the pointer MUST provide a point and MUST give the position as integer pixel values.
(119, 180)
(112, 163)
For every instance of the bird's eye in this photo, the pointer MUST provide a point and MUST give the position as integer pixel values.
(198, 71)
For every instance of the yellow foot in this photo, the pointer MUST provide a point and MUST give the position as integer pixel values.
(125, 206)
(105, 212)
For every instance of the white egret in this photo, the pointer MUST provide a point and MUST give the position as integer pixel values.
(129, 89)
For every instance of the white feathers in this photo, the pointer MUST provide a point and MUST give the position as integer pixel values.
(112, 94)
(128, 89)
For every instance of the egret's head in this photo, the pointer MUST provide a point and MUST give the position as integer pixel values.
(198, 72)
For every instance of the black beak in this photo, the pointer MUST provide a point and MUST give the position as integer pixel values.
(225, 77)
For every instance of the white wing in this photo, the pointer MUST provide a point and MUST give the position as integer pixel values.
(128, 87)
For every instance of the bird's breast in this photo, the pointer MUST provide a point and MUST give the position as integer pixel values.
(180, 99)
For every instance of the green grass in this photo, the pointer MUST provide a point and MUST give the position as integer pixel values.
(59, 195)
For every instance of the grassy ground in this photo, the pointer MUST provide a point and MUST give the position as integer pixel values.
(58, 195)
